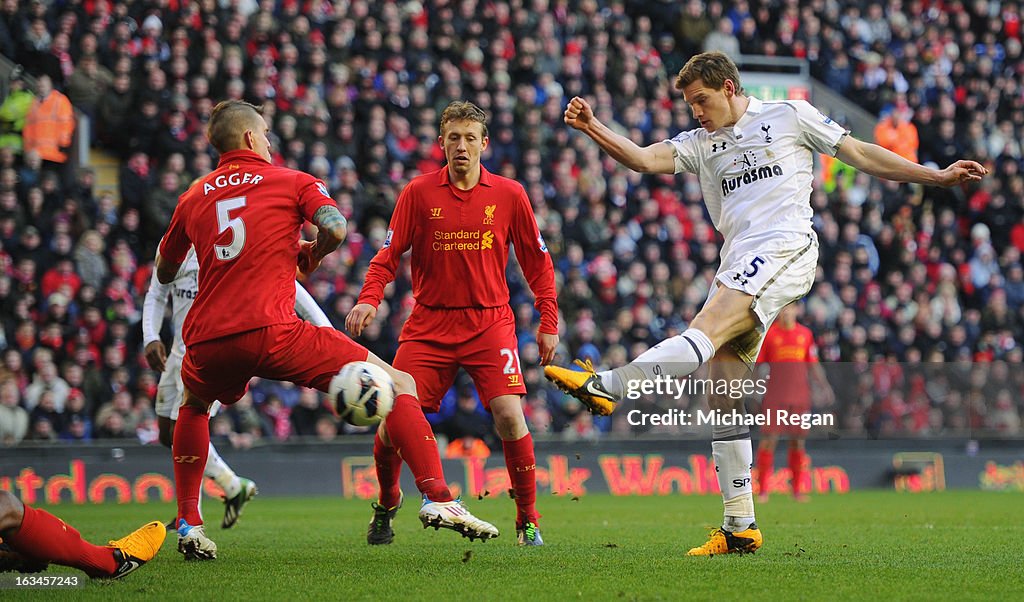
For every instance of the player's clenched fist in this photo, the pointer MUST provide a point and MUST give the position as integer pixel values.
(359, 318)
(578, 113)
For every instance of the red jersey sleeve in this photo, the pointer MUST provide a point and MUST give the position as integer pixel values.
(399, 239)
(312, 194)
(175, 243)
(532, 253)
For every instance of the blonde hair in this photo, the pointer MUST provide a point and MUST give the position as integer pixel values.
(713, 68)
(463, 110)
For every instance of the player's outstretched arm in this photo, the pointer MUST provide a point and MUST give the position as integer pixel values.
(656, 158)
(332, 227)
(882, 163)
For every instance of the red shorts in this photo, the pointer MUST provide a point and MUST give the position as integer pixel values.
(307, 355)
(483, 341)
(793, 405)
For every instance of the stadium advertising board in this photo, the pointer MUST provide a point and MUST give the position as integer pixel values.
(142, 474)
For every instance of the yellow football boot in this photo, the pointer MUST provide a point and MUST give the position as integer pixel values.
(585, 386)
(724, 542)
(137, 548)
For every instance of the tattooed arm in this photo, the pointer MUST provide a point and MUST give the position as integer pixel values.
(332, 229)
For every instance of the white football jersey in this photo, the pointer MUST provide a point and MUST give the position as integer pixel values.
(183, 290)
(756, 175)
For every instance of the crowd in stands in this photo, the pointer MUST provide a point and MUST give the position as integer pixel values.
(353, 90)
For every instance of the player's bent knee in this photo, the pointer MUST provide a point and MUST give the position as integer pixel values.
(726, 316)
(191, 400)
(405, 384)
(505, 413)
(11, 513)
(509, 420)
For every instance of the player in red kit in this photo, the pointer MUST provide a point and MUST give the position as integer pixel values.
(459, 222)
(790, 351)
(244, 220)
(30, 539)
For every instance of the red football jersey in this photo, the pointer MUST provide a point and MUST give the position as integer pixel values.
(788, 352)
(243, 220)
(460, 242)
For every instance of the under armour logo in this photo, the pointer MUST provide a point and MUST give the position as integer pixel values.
(715, 149)
(740, 279)
(764, 128)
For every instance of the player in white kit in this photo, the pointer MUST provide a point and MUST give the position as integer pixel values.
(754, 161)
(237, 490)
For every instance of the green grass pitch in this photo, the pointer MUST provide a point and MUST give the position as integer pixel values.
(865, 545)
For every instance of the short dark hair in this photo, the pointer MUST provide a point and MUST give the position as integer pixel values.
(463, 110)
(713, 68)
(228, 121)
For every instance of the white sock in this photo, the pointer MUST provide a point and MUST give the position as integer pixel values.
(218, 470)
(732, 466)
(678, 356)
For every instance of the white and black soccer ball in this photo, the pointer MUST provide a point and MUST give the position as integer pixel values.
(363, 393)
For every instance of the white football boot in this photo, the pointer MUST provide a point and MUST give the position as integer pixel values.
(193, 542)
(453, 515)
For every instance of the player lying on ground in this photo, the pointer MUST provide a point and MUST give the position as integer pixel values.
(462, 316)
(244, 222)
(31, 538)
(755, 164)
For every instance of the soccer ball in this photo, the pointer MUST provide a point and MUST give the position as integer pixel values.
(363, 393)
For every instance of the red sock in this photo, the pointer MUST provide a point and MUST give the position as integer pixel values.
(414, 441)
(796, 468)
(45, 537)
(389, 468)
(765, 466)
(522, 468)
(190, 450)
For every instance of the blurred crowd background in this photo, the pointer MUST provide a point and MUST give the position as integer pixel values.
(353, 91)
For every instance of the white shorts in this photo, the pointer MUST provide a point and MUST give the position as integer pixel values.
(170, 388)
(774, 279)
